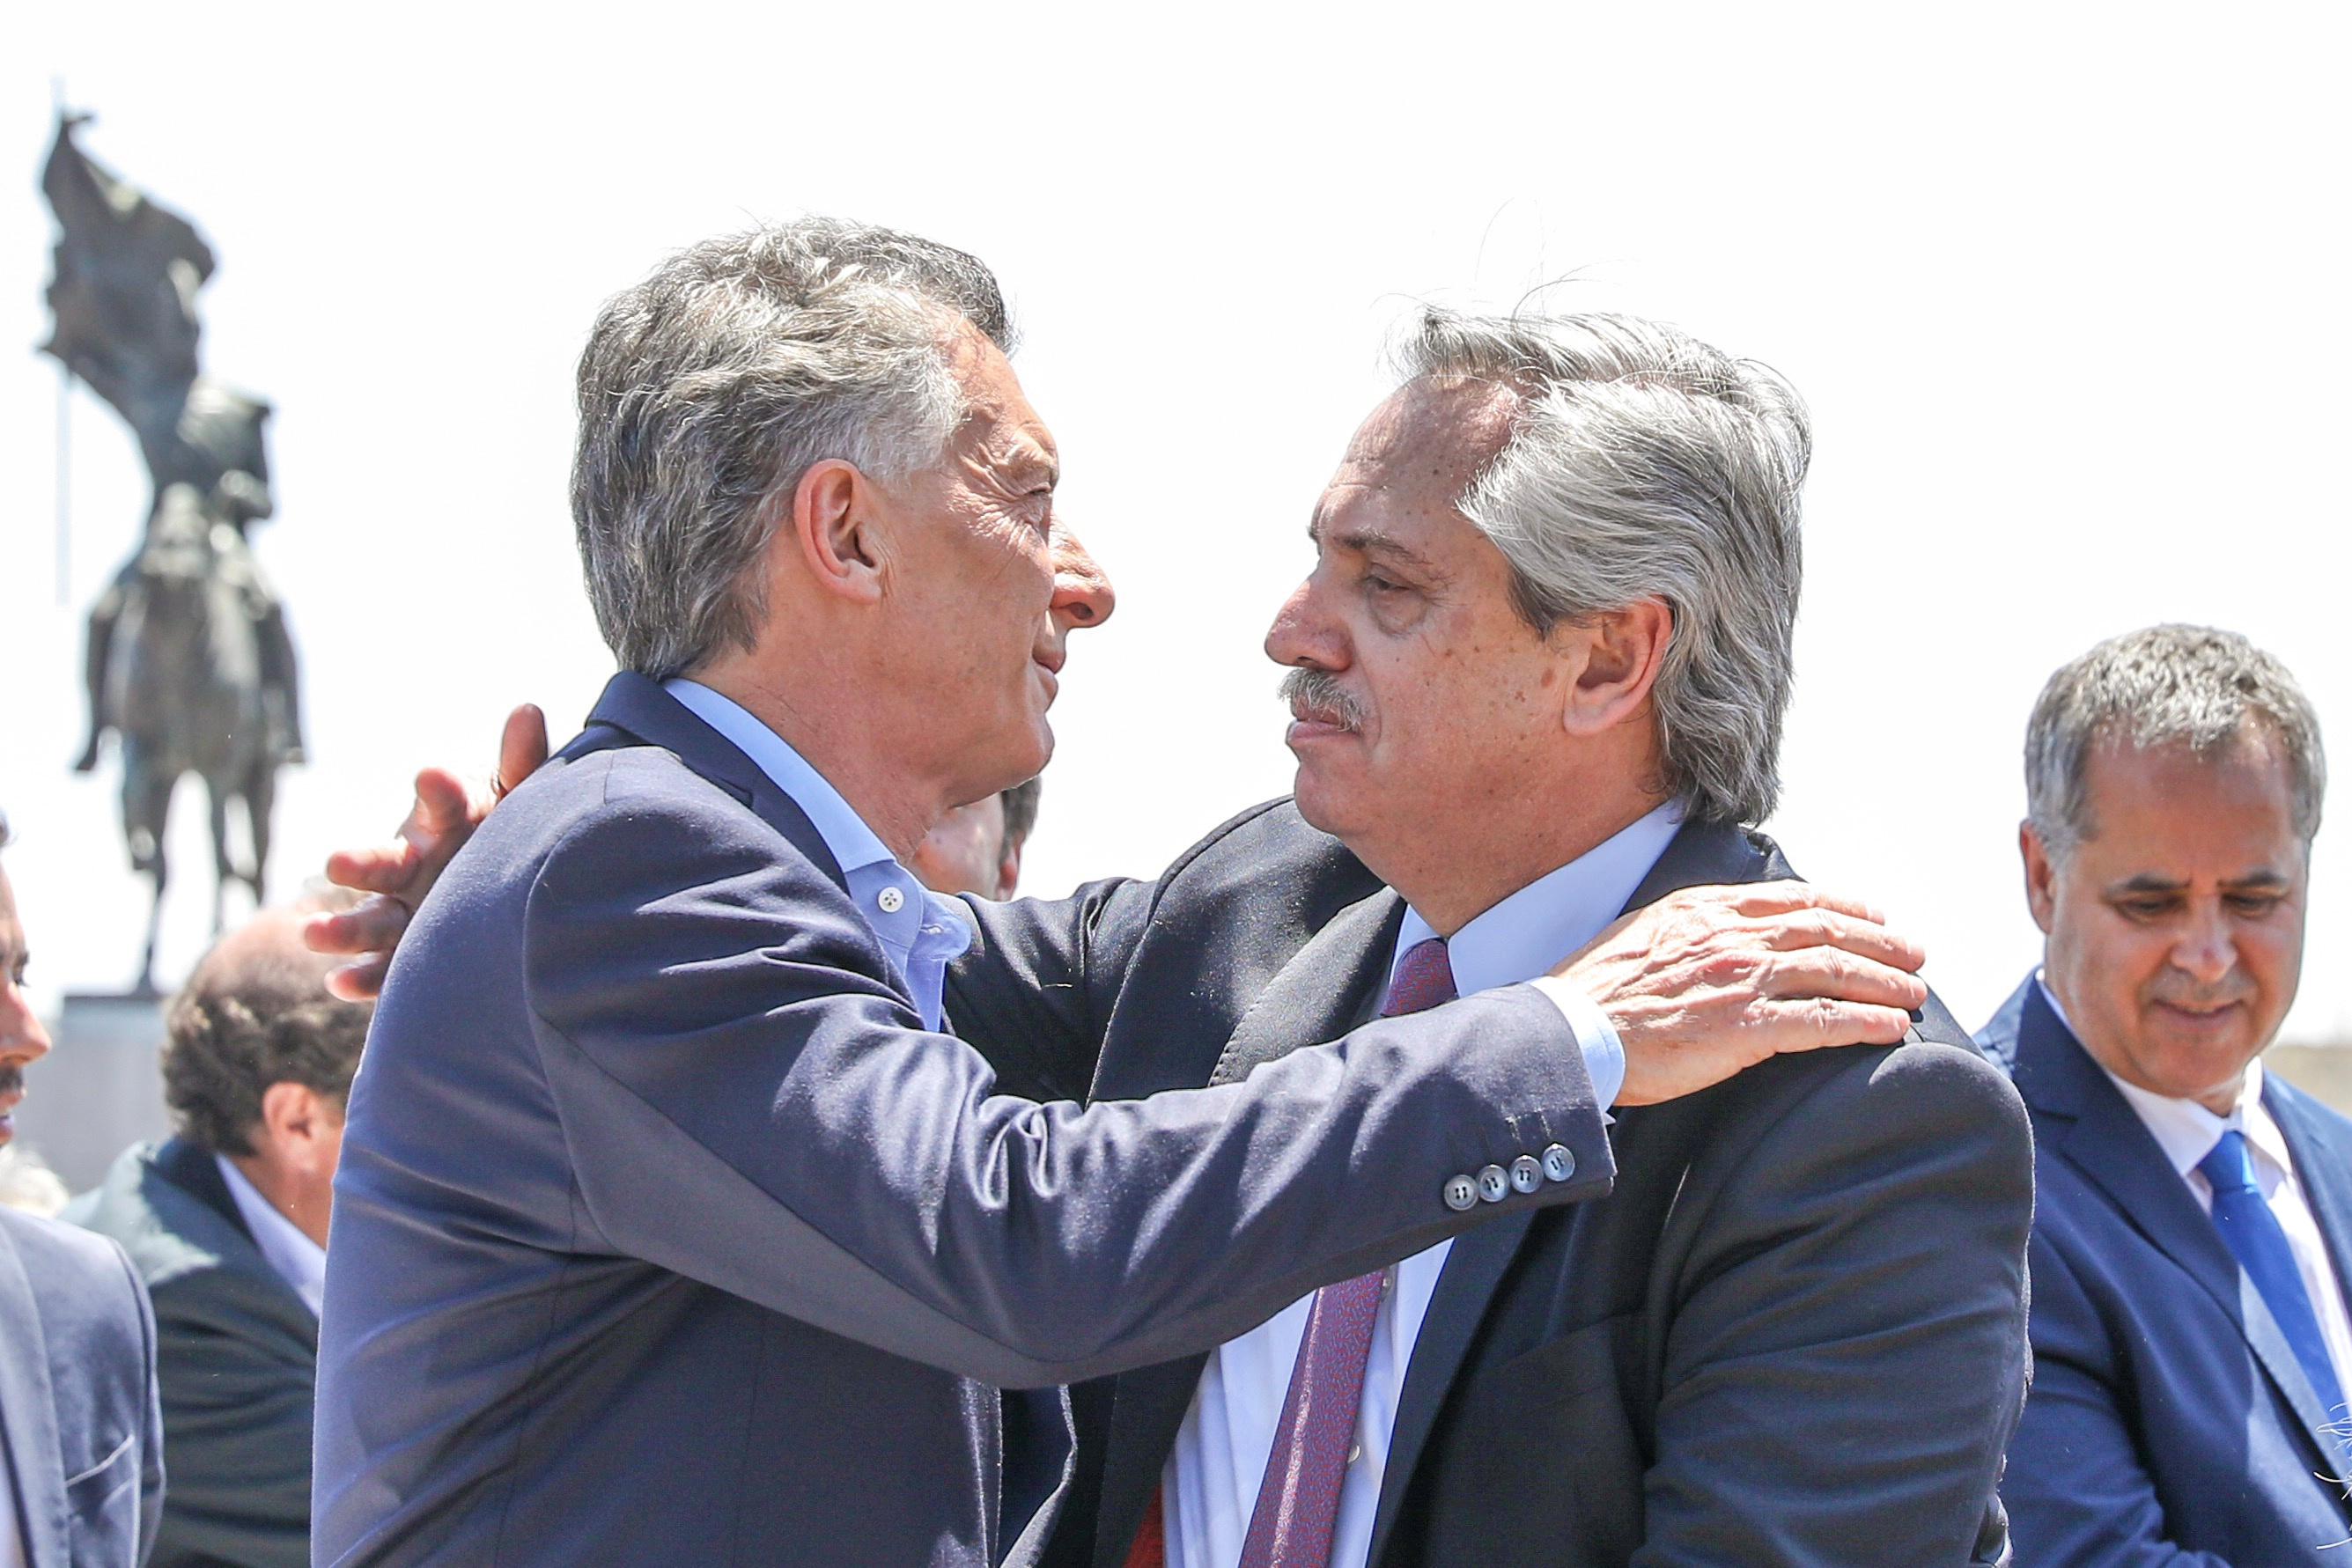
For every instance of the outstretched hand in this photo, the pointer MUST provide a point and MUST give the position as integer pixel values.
(1709, 981)
(398, 875)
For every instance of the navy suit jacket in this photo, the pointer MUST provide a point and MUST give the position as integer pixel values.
(237, 1353)
(84, 1437)
(2168, 1423)
(1793, 1335)
(665, 1233)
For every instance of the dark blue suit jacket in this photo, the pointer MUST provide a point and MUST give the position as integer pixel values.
(665, 1233)
(84, 1437)
(2169, 1422)
(235, 1355)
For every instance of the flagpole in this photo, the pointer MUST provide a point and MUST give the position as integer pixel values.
(64, 485)
(65, 428)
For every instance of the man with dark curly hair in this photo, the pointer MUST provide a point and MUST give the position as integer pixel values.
(228, 1224)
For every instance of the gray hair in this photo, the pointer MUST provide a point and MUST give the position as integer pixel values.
(708, 390)
(2190, 686)
(1643, 462)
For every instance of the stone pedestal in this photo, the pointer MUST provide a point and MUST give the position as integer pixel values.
(99, 1090)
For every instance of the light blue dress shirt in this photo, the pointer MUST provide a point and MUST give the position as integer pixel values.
(922, 932)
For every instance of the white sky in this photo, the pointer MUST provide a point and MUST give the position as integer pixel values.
(2064, 287)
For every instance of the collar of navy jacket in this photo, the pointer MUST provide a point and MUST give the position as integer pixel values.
(2096, 1131)
(638, 709)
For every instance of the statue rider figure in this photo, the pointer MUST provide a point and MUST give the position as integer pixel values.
(124, 298)
(216, 445)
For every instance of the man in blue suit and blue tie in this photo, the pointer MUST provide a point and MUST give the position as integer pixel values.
(2194, 1214)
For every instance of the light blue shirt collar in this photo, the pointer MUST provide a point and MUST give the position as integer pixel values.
(922, 932)
(1533, 929)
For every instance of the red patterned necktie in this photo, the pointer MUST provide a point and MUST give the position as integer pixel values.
(1298, 1501)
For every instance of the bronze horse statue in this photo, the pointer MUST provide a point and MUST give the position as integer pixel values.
(184, 690)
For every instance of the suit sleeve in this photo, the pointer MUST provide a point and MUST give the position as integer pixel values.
(2077, 1493)
(151, 1423)
(1034, 994)
(1848, 1358)
(793, 1135)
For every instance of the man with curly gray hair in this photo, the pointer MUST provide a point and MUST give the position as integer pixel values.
(2191, 1343)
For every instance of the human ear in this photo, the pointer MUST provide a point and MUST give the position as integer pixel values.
(835, 530)
(1614, 664)
(2040, 877)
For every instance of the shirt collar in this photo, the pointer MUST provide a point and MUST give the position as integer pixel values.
(299, 1260)
(901, 912)
(1533, 929)
(2185, 1130)
(844, 833)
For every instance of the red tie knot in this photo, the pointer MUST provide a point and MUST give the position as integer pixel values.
(1424, 978)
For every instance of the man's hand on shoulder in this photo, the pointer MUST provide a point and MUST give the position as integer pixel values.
(398, 875)
(1709, 981)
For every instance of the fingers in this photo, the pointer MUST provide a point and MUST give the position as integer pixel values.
(1833, 928)
(1809, 1025)
(521, 748)
(1759, 898)
(382, 870)
(374, 925)
(443, 806)
(360, 982)
(1836, 974)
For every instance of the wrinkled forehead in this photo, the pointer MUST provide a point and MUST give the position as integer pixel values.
(998, 422)
(1430, 438)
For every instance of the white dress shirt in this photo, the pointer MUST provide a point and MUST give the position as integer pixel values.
(299, 1261)
(1210, 1487)
(2186, 1132)
(922, 932)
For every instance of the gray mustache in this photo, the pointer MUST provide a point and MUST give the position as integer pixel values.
(1319, 692)
(12, 1079)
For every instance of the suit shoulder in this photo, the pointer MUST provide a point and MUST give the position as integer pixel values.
(1270, 846)
(78, 1275)
(2315, 1115)
(1922, 1101)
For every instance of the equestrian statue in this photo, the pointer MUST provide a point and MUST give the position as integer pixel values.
(189, 662)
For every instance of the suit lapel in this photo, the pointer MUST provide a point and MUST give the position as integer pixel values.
(28, 1414)
(1699, 854)
(2109, 1144)
(1332, 984)
(1465, 1287)
(639, 709)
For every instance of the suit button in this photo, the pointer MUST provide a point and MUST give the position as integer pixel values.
(1559, 1164)
(1494, 1185)
(1526, 1174)
(1460, 1193)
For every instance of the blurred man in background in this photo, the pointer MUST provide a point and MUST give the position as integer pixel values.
(976, 849)
(81, 1455)
(2190, 1343)
(226, 1223)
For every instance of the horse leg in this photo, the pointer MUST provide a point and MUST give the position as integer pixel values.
(146, 811)
(224, 869)
(260, 799)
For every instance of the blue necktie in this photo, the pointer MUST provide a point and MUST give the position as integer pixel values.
(2254, 1233)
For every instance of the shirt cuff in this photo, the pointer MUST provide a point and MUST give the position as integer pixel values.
(1596, 1036)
